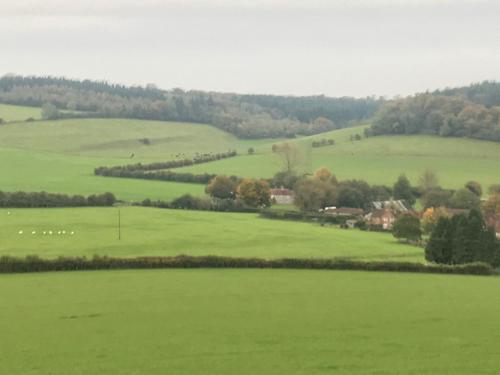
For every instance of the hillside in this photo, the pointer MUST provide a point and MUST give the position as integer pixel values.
(243, 115)
(60, 156)
(379, 160)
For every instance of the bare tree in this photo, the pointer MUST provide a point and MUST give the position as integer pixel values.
(289, 155)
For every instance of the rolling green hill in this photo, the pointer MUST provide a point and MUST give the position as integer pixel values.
(379, 160)
(60, 156)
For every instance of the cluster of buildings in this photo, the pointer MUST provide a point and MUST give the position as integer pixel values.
(381, 215)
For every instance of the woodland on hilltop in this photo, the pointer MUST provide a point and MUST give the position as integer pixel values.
(471, 112)
(246, 116)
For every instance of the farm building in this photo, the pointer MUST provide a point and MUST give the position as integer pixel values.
(382, 218)
(282, 196)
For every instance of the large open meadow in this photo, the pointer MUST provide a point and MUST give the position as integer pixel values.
(248, 322)
(151, 231)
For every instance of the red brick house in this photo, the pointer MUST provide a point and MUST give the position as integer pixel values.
(282, 196)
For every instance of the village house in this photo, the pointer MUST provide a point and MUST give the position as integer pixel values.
(381, 218)
(282, 196)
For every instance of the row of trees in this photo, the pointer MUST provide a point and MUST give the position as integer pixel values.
(447, 116)
(161, 175)
(486, 93)
(23, 199)
(324, 190)
(198, 159)
(246, 116)
(226, 194)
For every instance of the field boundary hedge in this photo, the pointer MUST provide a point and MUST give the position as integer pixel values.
(22, 199)
(36, 264)
(161, 175)
(198, 159)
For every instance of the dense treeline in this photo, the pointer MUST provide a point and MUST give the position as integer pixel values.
(310, 108)
(36, 264)
(162, 175)
(486, 93)
(242, 115)
(23, 199)
(446, 116)
(198, 159)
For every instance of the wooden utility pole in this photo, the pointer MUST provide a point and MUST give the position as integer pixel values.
(119, 225)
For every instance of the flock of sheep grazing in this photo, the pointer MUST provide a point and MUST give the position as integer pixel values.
(50, 233)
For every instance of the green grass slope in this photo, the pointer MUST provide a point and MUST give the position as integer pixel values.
(18, 113)
(379, 160)
(60, 156)
(149, 231)
(120, 138)
(248, 322)
(38, 170)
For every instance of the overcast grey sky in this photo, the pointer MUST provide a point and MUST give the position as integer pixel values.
(336, 47)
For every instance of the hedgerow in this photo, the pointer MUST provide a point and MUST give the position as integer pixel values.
(171, 164)
(22, 199)
(35, 264)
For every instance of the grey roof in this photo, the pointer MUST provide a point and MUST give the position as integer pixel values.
(398, 205)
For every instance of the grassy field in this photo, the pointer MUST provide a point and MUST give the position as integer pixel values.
(120, 138)
(149, 231)
(59, 156)
(39, 170)
(248, 322)
(18, 113)
(380, 160)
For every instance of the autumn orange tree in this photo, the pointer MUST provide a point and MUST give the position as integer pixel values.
(254, 193)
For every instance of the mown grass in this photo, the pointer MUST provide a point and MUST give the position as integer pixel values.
(149, 231)
(248, 322)
(18, 113)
